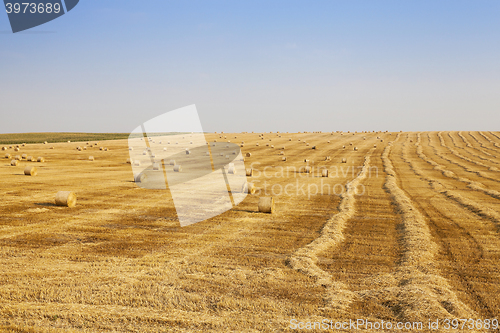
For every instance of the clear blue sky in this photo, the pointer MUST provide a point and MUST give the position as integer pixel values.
(109, 65)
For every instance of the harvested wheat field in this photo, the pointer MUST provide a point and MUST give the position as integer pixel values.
(403, 229)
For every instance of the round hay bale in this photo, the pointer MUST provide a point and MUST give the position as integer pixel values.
(306, 160)
(156, 166)
(51, 147)
(266, 205)
(374, 146)
(227, 156)
(40, 159)
(324, 173)
(17, 157)
(344, 160)
(249, 172)
(267, 144)
(69, 141)
(29, 158)
(30, 171)
(282, 152)
(105, 149)
(165, 149)
(257, 144)
(355, 148)
(4, 148)
(136, 163)
(8, 156)
(78, 148)
(313, 147)
(343, 147)
(328, 141)
(307, 144)
(24, 156)
(16, 149)
(290, 139)
(91, 158)
(232, 170)
(129, 161)
(85, 148)
(283, 158)
(272, 146)
(66, 198)
(45, 143)
(177, 168)
(248, 155)
(139, 178)
(248, 188)
(172, 162)
(188, 152)
(307, 169)
(14, 163)
(101, 148)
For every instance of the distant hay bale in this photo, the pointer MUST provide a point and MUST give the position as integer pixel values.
(343, 147)
(248, 188)
(374, 146)
(91, 158)
(344, 160)
(164, 149)
(272, 146)
(51, 147)
(136, 163)
(188, 152)
(79, 148)
(8, 156)
(282, 152)
(101, 148)
(227, 146)
(4, 148)
(129, 161)
(306, 160)
(69, 141)
(14, 163)
(177, 168)
(16, 149)
(24, 144)
(139, 178)
(267, 144)
(172, 162)
(313, 147)
(24, 156)
(130, 148)
(85, 148)
(105, 149)
(45, 142)
(156, 166)
(66, 198)
(232, 170)
(328, 141)
(283, 159)
(234, 152)
(328, 158)
(29, 159)
(266, 205)
(17, 157)
(30, 171)
(257, 144)
(290, 139)
(249, 172)
(40, 159)
(307, 144)
(350, 143)
(355, 148)
(227, 156)
(324, 173)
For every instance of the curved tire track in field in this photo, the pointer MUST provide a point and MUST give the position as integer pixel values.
(305, 259)
(453, 195)
(490, 141)
(466, 168)
(441, 212)
(423, 293)
(454, 152)
(455, 144)
(477, 186)
(482, 144)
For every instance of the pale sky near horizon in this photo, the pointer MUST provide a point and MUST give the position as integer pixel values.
(108, 66)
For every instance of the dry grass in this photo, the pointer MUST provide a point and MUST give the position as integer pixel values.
(421, 243)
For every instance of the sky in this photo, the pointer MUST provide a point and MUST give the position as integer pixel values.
(111, 65)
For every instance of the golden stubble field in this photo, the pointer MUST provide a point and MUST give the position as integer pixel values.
(409, 232)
